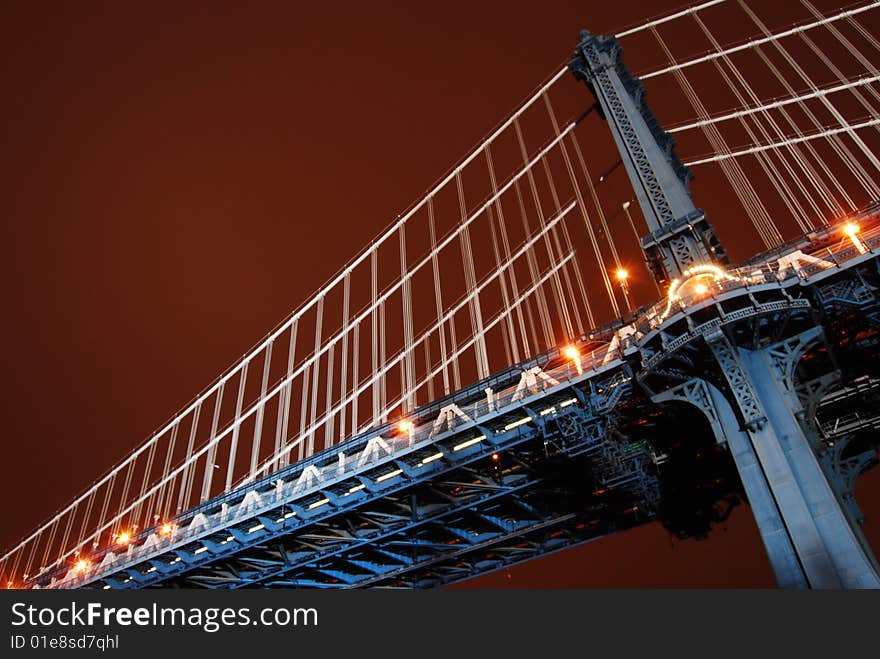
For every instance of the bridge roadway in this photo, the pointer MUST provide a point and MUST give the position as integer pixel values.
(562, 449)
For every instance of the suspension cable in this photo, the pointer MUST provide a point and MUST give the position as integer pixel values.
(775, 145)
(757, 42)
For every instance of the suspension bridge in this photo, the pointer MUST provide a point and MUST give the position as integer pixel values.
(478, 387)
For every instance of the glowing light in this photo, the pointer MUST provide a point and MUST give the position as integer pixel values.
(621, 274)
(704, 268)
(431, 458)
(166, 529)
(700, 280)
(200, 550)
(852, 231)
(716, 271)
(123, 538)
(572, 353)
(405, 426)
(671, 296)
(470, 442)
(518, 423)
(495, 457)
(81, 566)
(319, 503)
(390, 474)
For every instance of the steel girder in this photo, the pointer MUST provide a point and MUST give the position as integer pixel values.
(483, 505)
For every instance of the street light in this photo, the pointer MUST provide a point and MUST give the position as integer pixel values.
(851, 229)
(572, 353)
(622, 276)
(406, 427)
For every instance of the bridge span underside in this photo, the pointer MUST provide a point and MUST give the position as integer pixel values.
(582, 471)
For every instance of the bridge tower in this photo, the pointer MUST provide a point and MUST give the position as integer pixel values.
(679, 235)
(740, 368)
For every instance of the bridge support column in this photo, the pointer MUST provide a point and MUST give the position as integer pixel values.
(831, 550)
(726, 427)
(809, 538)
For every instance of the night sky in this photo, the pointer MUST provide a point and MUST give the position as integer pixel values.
(176, 177)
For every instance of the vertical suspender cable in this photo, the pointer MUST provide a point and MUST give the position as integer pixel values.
(840, 149)
(233, 443)
(409, 375)
(506, 328)
(316, 374)
(600, 259)
(355, 364)
(438, 294)
(498, 217)
(539, 292)
(187, 474)
(571, 306)
(474, 308)
(282, 431)
(739, 182)
(765, 160)
(374, 336)
(855, 52)
(556, 286)
(212, 450)
(505, 245)
(346, 331)
(875, 191)
(261, 413)
(328, 405)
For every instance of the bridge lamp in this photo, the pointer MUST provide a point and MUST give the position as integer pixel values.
(123, 538)
(81, 565)
(166, 529)
(697, 286)
(622, 277)
(407, 428)
(851, 229)
(572, 353)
